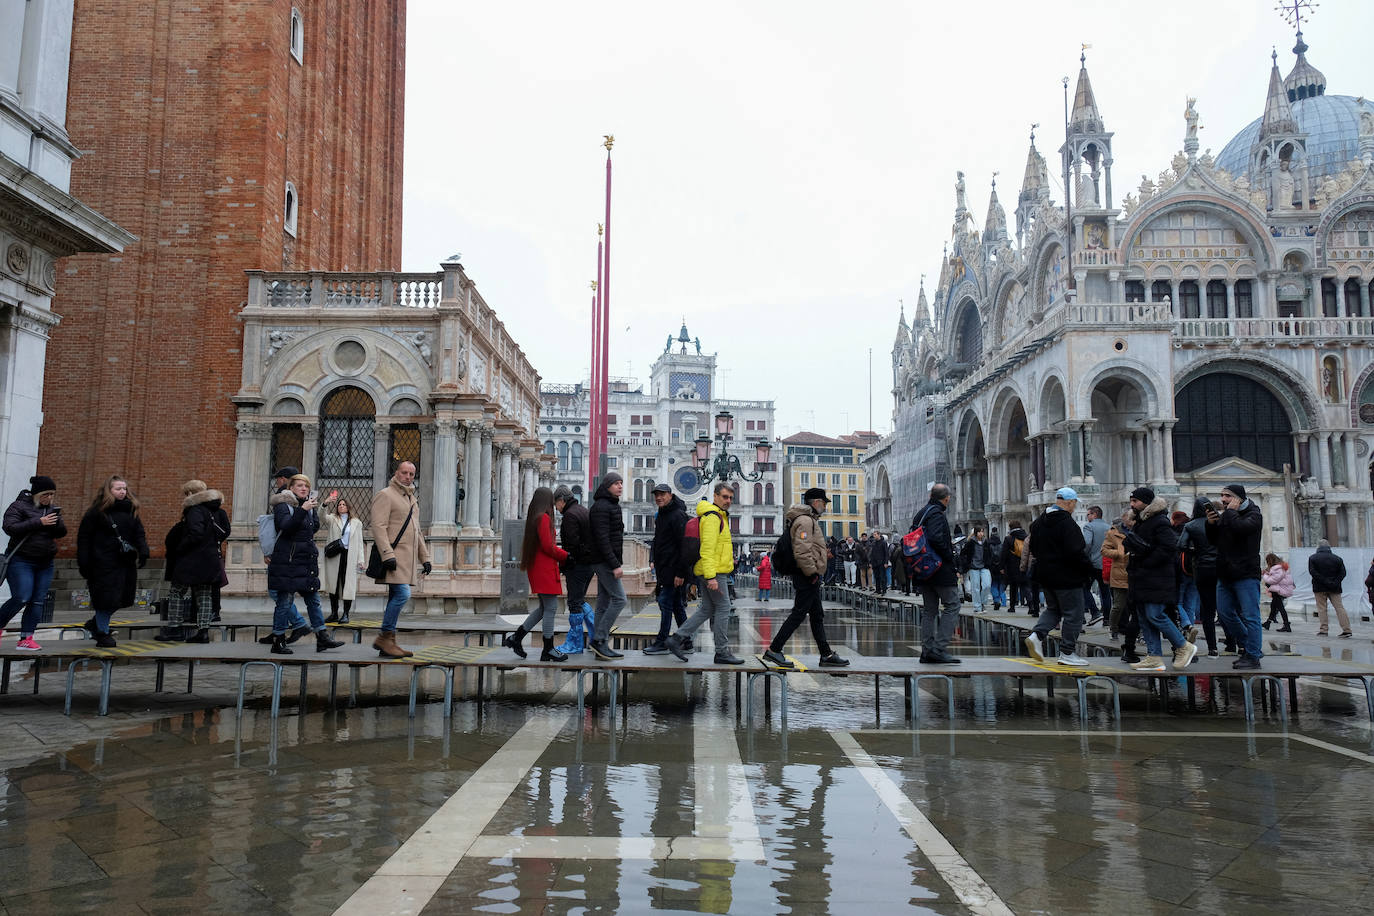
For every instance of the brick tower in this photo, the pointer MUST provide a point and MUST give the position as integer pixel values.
(236, 135)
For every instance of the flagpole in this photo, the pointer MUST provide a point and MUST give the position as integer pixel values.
(604, 288)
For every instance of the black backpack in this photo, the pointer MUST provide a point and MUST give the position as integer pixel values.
(784, 560)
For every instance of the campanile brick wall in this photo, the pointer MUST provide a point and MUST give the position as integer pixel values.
(192, 120)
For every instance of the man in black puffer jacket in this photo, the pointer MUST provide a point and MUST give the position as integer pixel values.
(575, 534)
(607, 542)
(1062, 569)
(1152, 546)
(666, 552)
(1328, 574)
(1235, 528)
(942, 588)
(1202, 554)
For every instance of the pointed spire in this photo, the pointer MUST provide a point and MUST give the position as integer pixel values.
(903, 332)
(1086, 118)
(1035, 175)
(1304, 81)
(922, 307)
(995, 226)
(1278, 113)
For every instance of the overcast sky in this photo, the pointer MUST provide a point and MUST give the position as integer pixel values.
(784, 171)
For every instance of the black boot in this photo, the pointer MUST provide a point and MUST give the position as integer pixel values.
(550, 654)
(343, 618)
(200, 636)
(170, 634)
(513, 641)
(324, 641)
(279, 646)
(333, 616)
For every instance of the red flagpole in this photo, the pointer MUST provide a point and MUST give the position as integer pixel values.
(594, 400)
(604, 291)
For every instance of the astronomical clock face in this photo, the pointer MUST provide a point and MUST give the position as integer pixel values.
(685, 480)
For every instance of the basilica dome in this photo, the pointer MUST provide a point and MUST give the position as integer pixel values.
(1332, 125)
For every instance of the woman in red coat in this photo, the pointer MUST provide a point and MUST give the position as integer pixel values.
(540, 557)
(765, 576)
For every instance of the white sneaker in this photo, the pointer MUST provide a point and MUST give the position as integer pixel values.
(1074, 659)
(1148, 663)
(1035, 647)
(1183, 655)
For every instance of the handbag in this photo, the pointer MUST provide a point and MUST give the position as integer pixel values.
(5, 557)
(375, 570)
(124, 546)
(333, 548)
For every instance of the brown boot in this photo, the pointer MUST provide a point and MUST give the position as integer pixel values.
(386, 645)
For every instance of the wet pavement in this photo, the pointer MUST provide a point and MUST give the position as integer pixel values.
(516, 805)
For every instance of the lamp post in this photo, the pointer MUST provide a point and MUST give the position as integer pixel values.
(725, 465)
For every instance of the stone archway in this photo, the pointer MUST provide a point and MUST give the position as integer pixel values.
(971, 469)
(1119, 441)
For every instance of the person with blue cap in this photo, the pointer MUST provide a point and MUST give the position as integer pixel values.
(1062, 569)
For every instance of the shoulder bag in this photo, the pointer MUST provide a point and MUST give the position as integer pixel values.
(375, 569)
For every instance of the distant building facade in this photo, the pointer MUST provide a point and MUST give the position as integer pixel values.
(1213, 327)
(652, 435)
(812, 460)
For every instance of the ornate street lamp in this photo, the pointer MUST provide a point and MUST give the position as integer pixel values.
(726, 465)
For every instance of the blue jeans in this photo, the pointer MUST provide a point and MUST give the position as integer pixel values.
(763, 593)
(28, 591)
(1238, 608)
(1154, 623)
(999, 592)
(979, 586)
(293, 618)
(397, 596)
(672, 607)
(1188, 601)
(281, 615)
(610, 599)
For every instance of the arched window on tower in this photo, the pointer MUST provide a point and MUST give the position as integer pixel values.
(347, 447)
(1189, 299)
(562, 456)
(549, 448)
(289, 208)
(758, 494)
(768, 495)
(639, 490)
(577, 456)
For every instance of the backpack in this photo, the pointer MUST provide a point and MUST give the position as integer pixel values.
(921, 561)
(1017, 545)
(267, 534)
(691, 545)
(784, 560)
(1187, 554)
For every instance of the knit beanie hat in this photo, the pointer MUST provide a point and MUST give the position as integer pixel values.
(40, 484)
(1236, 489)
(1144, 494)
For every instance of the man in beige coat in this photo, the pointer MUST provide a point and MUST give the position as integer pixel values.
(405, 562)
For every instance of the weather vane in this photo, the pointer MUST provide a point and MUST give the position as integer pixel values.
(1033, 127)
(610, 141)
(1293, 9)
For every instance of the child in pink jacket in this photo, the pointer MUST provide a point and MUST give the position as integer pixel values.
(1279, 581)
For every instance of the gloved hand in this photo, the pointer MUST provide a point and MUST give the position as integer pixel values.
(426, 569)
(389, 564)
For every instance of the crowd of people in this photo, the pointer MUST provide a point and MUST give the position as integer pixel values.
(1158, 576)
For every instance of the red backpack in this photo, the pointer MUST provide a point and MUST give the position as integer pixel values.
(921, 561)
(691, 545)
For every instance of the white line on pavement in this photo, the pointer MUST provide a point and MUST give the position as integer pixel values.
(966, 883)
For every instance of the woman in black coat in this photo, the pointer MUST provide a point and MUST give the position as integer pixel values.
(295, 566)
(110, 550)
(193, 561)
(34, 525)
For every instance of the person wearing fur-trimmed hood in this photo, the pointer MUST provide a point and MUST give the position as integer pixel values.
(295, 566)
(193, 562)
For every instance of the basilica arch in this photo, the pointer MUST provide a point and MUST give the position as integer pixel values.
(970, 467)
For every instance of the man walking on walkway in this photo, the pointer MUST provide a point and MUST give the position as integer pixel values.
(810, 551)
(1235, 528)
(666, 551)
(975, 559)
(608, 542)
(942, 588)
(712, 570)
(877, 558)
(404, 553)
(1062, 569)
(1328, 573)
(861, 559)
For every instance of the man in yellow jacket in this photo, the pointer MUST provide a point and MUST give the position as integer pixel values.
(717, 561)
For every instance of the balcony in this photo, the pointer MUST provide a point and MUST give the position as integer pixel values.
(1202, 332)
(1097, 257)
(381, 289)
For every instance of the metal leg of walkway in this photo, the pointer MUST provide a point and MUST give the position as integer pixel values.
(1247, 684)
(300, 705)
(916, 690)
(448, 686)
(106, 670)
(276, 683)
(1368, 694)
(1083, 695)
(753, 676)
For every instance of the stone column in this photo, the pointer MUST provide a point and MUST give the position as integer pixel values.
(1167, 446)
(484, 481)
(1324, 460)
(472, 474)
(503, 506)
(1088, 451)
(424, 480)
(310, 450)
(251, 471)
(381, 459)
(1156, 452)
(1231, 299)
(1364, 298)
(995, 488)
(444, 486)
(1351, 475)
(529, 473)
(1304, 454)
